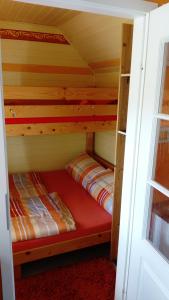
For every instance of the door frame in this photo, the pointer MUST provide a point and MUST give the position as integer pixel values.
(117, 8)
(6, 255)
(151, 260)
(138, 67)
(121, 9)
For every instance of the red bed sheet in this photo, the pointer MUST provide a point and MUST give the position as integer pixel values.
(90, 218)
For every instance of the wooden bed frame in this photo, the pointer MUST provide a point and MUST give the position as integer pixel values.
(61, 247)
(48, 111)
(33, 254)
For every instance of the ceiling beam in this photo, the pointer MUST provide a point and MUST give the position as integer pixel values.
(119, 8)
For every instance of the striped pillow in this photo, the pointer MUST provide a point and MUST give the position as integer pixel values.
(97, 180)
(101, 189)
(84, 168)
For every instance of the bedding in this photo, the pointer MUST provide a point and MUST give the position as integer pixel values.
(23, 185)
(83, 168)
(97, 180)
(34, 212)
(81, 205)
(101, 189)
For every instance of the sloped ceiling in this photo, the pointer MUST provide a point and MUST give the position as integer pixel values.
(36, 14)
(96, 37)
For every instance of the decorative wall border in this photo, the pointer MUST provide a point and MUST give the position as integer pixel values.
(33, 36)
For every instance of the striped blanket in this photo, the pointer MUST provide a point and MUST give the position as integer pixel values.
(97, 180)
(25, 185)
(34, 212)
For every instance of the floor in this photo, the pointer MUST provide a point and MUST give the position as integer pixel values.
(92, 279)
(38, 267)
(78, 275)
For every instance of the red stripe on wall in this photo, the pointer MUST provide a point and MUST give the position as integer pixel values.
(58, 102)
(40, 120)
(33, 36)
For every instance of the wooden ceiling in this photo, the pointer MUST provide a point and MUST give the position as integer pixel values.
(36, 14)
(83, 30)
(89, 33)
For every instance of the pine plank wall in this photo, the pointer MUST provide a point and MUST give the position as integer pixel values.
(85, 62)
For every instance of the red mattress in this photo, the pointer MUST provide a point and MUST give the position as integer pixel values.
(90, 218)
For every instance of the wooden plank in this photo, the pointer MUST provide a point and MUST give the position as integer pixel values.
(61, 247)
(105, 64)
(9, 67)
(126, 48)
(103, 162)
(32, 93)
(91, 93)
(90, 142)
(121, 128)
(117, 194)
(58, 93)
(123, 103)
(51, 129)
(23, 111)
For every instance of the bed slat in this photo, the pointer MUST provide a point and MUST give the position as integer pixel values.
(54, 128)
(61, 247)
(26, 111)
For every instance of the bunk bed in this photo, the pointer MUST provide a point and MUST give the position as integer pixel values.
(48, 111)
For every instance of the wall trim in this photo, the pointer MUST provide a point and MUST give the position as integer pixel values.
(115, 62)
(29, 68)
(24, 35)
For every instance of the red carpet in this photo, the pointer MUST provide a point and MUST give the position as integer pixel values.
(91, 280)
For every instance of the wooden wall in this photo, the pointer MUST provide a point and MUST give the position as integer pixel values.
(42, 153)
(98, 40)
(105, 145)
(94, 49)
(16, 53)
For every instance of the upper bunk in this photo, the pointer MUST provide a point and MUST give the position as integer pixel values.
(50, 110)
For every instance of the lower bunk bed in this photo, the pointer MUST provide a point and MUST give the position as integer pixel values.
(93, 222)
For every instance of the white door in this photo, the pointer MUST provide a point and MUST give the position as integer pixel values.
(6, 259)
(149, 258)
